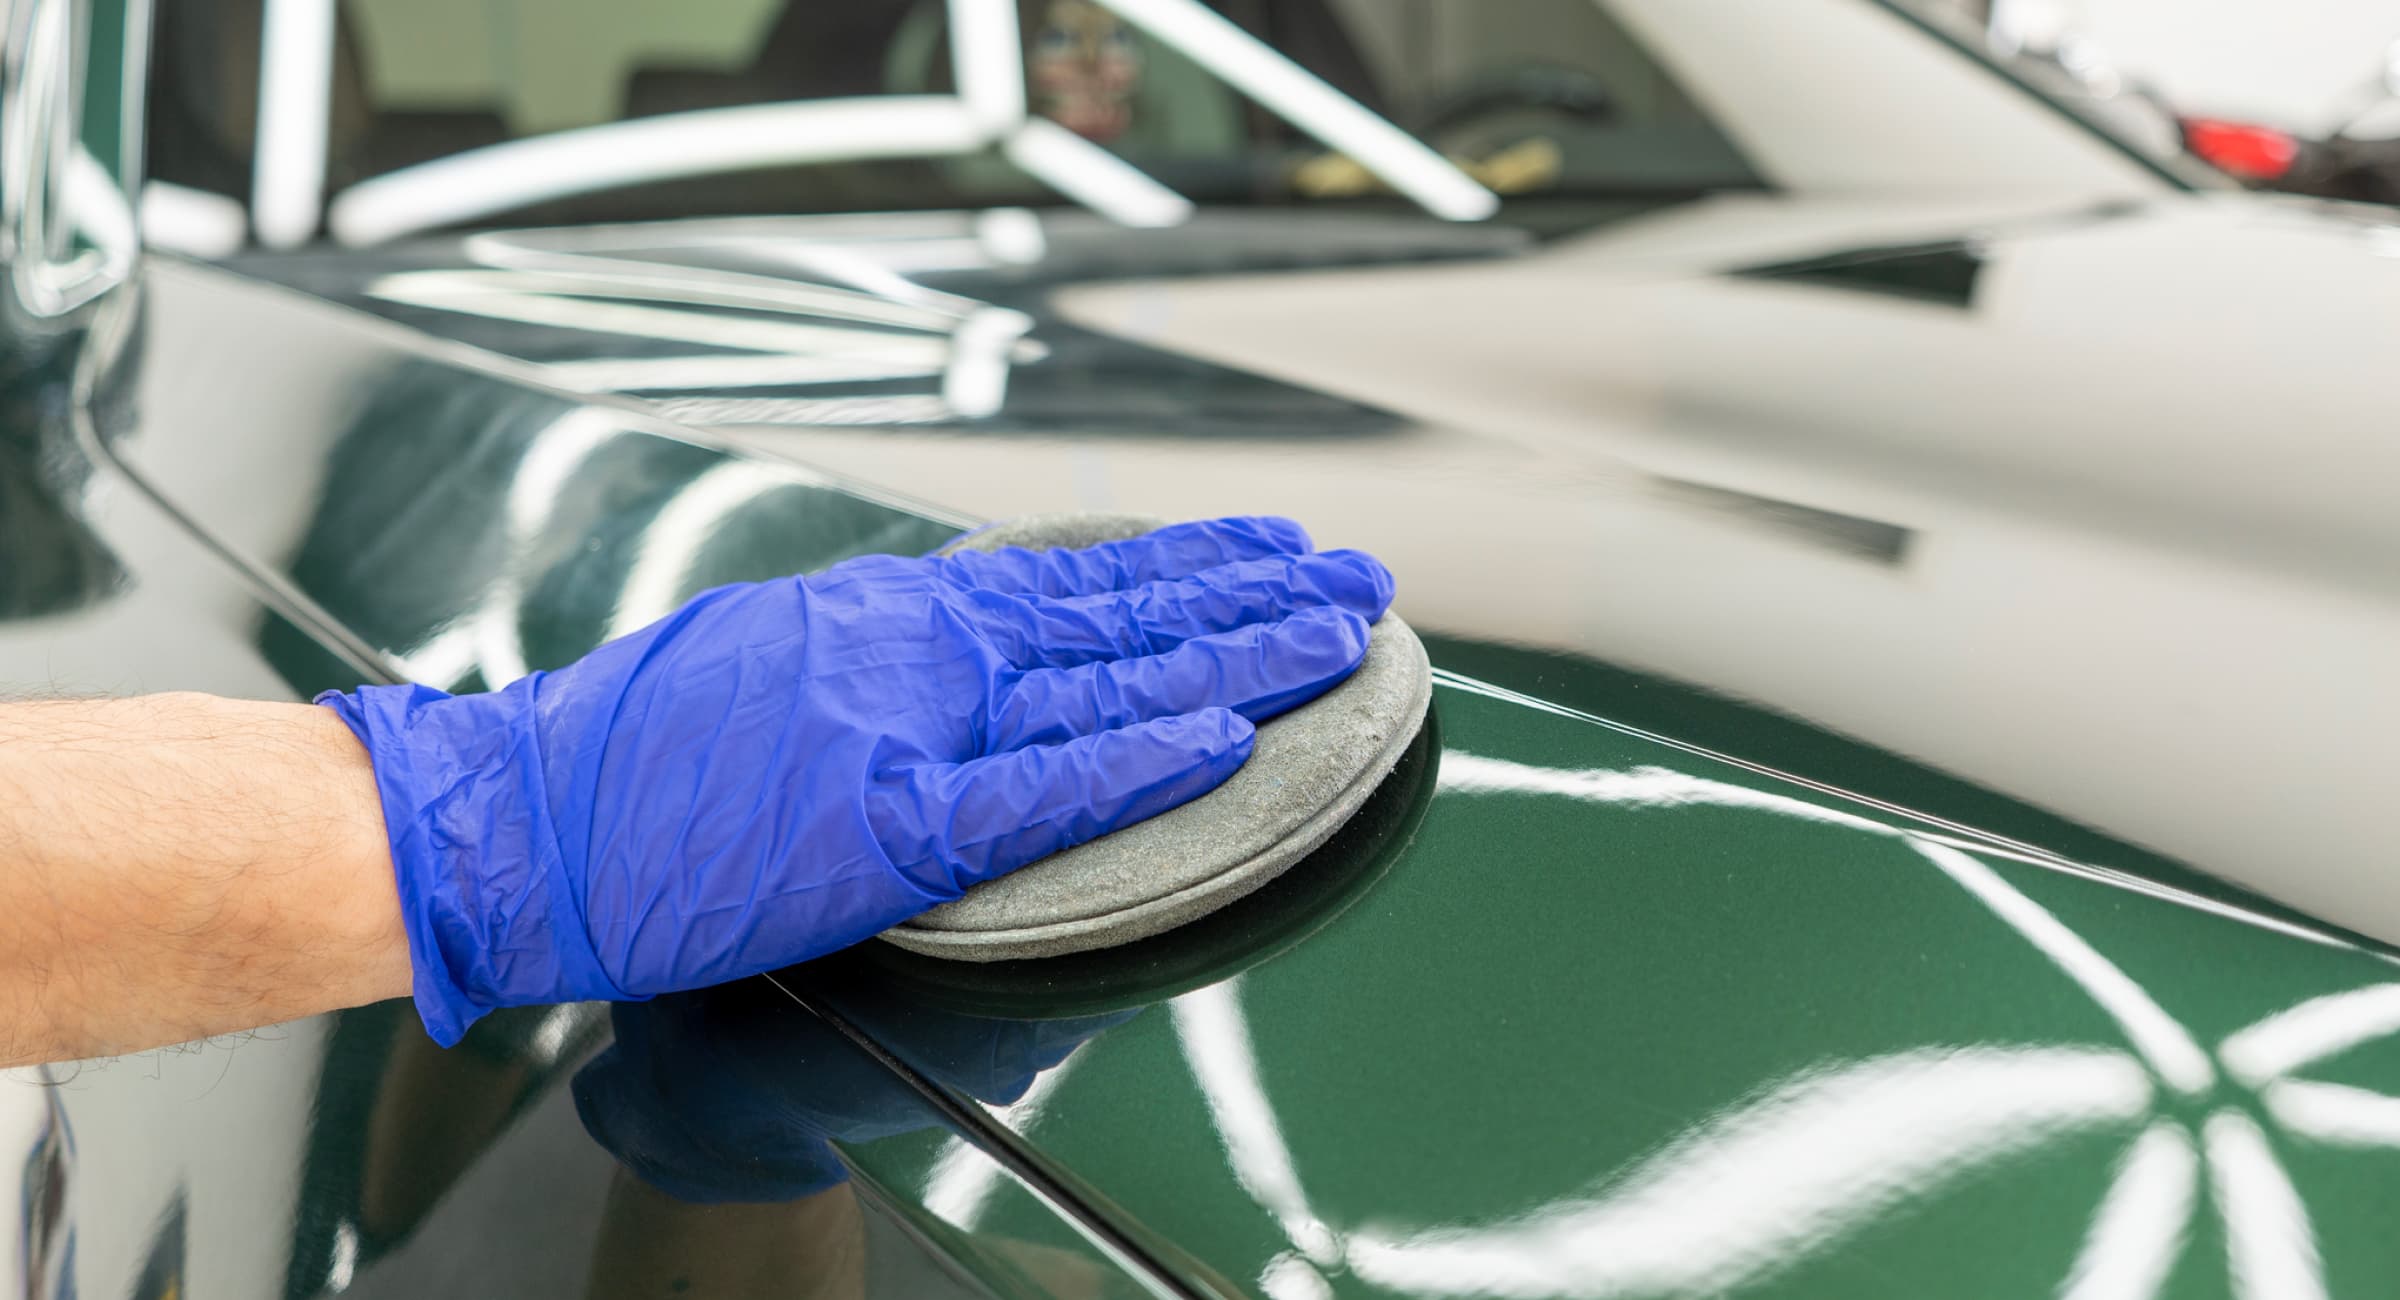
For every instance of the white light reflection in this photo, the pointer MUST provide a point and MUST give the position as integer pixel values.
(488, 638)
(1983, 844)
(192, 222)
(2312, 1031)
(1013, 236)
(541, 479)
(722, 412)
(2163, 1042)
(976, 383)
(1216, 1044)
(989, 108)
(1623, 1242)
(907, 241)
(562, 1029)
(1774, 1180)
(1640, 787)
(513, 298)
(662, 571)
(497, 178)
(2140, 1227)
(522, 264)
(343, 1269)
(1297, 96)
(865, 268)
(963, 1180)
(684, 374)
(987, 61)
(51, 187)
(295, 97)
(971, 347)
(444, 659)
(1290, 1277)
(961, 1183)
(97, 208)
(1092, 176)
(2155, 1034)
(2334, 1113)
(2271, 1249)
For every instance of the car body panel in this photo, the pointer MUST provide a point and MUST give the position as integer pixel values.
(1635, 979)
(1621, 1019)
(105, 592)
(1583, 971)
(344, 1152)
(1847, 492)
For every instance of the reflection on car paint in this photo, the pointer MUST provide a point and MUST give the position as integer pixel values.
(1216, 1044)
(963, 1180)
(2119, 879)
(50, 560)
(2151, 1204)
(829, 321)
(1814, 1158)
(488, 638)
(872, 325)
(45, 1246)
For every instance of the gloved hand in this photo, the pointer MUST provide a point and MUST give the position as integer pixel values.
(784, 768)
(736, 1094)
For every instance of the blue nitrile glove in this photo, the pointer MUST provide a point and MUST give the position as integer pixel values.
(784, 768)
(736, 1094)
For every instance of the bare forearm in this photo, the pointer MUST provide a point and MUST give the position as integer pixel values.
(176, 866)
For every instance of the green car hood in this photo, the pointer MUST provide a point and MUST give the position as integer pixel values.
(1574, 1009)
(1618, 1018)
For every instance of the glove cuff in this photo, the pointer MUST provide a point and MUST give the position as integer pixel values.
(491, 919)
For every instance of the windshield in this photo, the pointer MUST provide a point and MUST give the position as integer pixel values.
(374, 119)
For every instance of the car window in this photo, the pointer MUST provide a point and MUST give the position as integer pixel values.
(1533, 98)
(1481, 78)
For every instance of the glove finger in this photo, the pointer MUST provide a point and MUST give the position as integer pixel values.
(957, 824)
(1176, 551)
(1042, 632)
(1257, 671)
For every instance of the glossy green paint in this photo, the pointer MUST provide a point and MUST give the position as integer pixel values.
(347, 1153)
(1707, 720)
(112, 40)
(1567, 970)
(1917, 1058)
(1552, 1005)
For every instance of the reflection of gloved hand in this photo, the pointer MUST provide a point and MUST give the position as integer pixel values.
(780, 769)
(735, 1093)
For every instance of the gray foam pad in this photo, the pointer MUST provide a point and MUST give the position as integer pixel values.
(1308, 772)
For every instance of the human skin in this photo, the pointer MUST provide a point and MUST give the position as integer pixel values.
(179, 866)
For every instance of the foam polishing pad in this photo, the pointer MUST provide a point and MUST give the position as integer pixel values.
(1309, 771)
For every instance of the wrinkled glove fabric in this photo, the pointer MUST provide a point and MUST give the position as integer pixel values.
(781, 769)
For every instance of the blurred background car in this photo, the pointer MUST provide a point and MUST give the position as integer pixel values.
(2336, 164)
(2305, 106)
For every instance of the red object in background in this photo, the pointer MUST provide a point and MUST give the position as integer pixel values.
(2253, 153)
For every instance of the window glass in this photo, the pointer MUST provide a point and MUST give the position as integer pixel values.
(1536, 98)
